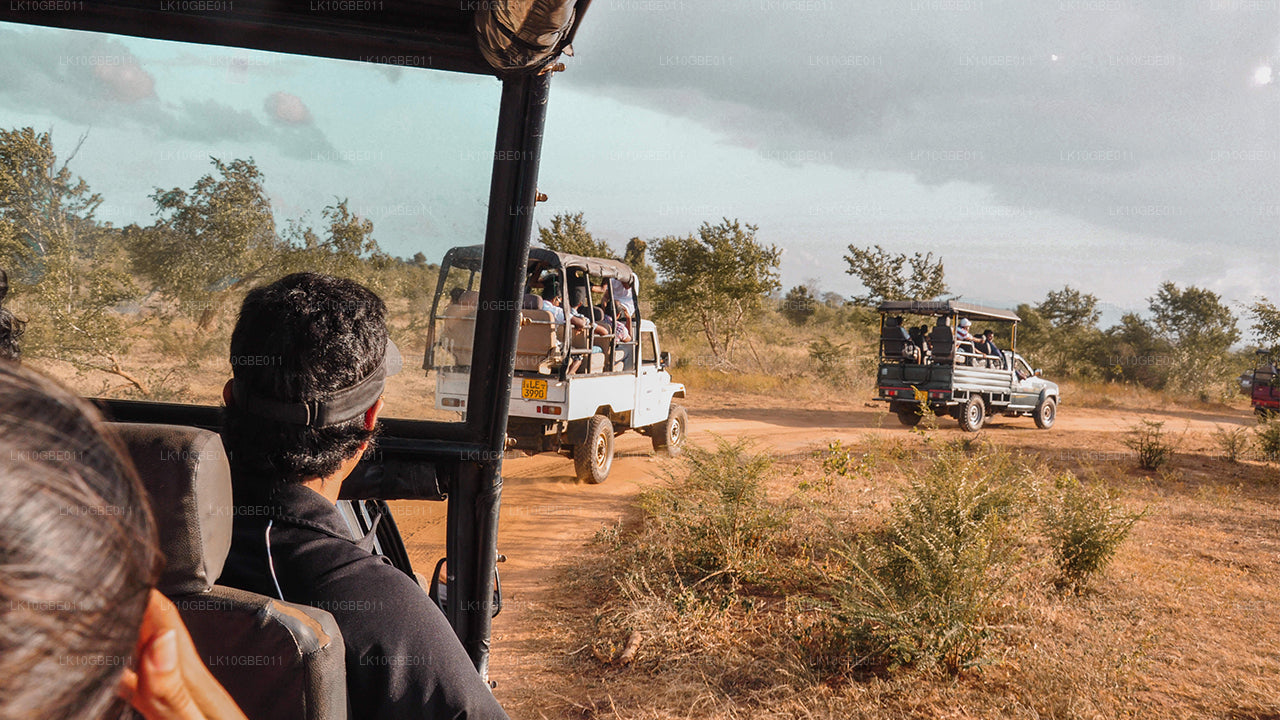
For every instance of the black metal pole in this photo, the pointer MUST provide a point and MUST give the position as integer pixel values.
(474, 502)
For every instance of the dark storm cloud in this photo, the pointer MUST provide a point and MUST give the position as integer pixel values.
(1142, 116)
(90, 79)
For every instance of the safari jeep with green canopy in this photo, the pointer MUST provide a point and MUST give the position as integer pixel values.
(510, 46)
(579, 380)
(928, 367)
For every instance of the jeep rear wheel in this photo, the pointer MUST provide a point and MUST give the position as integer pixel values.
(668, 435)
(909, 415)
(1046, 413)
(593, 458)
(973, 414)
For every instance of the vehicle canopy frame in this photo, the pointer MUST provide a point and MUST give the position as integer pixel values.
(415, 459)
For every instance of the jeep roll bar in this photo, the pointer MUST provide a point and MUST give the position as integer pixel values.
(471, 259)
(950, 309)
(415, 459)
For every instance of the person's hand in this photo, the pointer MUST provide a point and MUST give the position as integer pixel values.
(171, 681)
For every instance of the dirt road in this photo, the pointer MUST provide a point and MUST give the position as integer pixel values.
(547, 515)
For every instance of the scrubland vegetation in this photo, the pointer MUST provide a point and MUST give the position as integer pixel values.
(913, 576)
(900, 575)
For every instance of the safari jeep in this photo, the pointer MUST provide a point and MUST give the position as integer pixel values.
(929, 367)
(577, 384)
(1264, 385)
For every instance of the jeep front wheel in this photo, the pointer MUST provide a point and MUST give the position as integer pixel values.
(593, 457)
(1046, 413)
(668, 435)
(973, 414)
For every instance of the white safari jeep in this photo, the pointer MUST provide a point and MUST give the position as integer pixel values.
(578, 382)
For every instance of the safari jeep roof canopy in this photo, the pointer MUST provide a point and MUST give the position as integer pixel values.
(946, 307)
(491, 37)
(469, 258)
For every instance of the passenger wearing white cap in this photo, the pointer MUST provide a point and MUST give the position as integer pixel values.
(962, 330)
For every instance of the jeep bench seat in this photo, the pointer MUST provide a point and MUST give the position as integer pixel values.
(278, 660)
(537, 345)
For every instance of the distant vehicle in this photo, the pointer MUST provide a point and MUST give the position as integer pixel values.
(1263, 385)
(950, 376)
(574, 389)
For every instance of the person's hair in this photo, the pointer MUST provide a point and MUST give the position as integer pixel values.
(989, 331)
(455, 293)
(550, 290)
(78, 554)
(301, 338)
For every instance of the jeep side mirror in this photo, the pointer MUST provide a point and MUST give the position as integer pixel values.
(664, 359)
(439, 591)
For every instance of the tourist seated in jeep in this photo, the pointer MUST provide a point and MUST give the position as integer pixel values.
(10, 326)
(298, 419)
(81, 563)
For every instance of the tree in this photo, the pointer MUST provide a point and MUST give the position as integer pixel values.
(1135, 353)
(715, 280)
(213, 241)
(1070, 309)
(634, 256)
(882, 273)
(1201, 330)
(1266, 324)
(832, 300)
(1061, 331)
(348, 248)
(1193, 317)
(799, 305)
(569, 234)
(67, 270)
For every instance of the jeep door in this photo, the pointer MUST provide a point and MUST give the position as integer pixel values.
(1026, 386)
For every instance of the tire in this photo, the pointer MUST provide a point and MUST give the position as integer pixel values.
(909, 415)
(593, 458)
(1046, 414)
(973, 414)
(668, 435)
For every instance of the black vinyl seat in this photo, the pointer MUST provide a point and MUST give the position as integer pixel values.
(894, 338)
(943, 341)
(280, 661)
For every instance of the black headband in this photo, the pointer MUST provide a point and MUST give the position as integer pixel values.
(343, 405)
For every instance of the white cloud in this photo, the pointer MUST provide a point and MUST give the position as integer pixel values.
(287, 109)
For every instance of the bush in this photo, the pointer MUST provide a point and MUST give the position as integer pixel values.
(1268, 439)
(1147, 438)
(921, 591)
(1232, 442)
(1084, 527)
(715, 523)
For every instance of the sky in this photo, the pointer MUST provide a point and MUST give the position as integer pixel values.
(1105, 144)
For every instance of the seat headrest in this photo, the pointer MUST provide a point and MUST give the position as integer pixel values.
(188, 479)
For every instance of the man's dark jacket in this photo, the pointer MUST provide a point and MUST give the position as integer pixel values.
(403, 659)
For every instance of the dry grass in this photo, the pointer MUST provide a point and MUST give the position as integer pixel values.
(1181, 625)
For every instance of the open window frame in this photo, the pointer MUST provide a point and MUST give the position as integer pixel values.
(460, 462)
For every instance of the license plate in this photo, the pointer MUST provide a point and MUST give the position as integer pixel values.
(533, 389)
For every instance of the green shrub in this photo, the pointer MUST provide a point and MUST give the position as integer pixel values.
(921, 591)
(1232, 442)
(1085, 527)
(716, 521)
(1148, 440)
(1268, 439)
